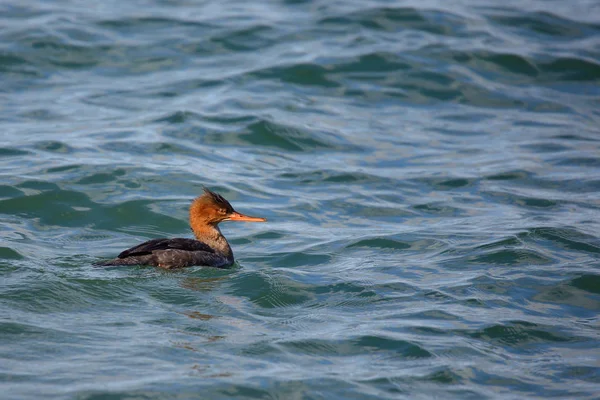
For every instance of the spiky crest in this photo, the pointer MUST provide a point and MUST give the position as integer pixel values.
(217, 199)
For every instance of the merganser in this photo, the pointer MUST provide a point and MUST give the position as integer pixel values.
(210, 248)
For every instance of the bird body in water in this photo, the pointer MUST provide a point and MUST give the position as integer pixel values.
(209, 248)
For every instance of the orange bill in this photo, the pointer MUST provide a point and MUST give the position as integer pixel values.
(236, 216)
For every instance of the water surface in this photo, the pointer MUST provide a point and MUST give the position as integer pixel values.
(430, 172)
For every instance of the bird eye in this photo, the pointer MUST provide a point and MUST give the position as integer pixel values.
(222, 211)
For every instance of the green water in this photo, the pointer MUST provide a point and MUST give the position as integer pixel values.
(430, 172)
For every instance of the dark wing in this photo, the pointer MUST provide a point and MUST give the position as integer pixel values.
(165, 244)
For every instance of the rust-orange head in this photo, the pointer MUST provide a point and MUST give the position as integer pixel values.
(211, 208)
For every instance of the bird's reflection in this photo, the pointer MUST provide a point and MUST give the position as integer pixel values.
(201, 284)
